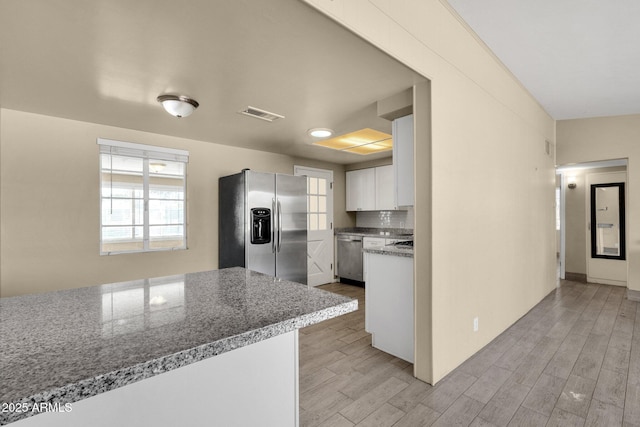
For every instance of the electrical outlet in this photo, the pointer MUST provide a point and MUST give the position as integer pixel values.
(475, 324)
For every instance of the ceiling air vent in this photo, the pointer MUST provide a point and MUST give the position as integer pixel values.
(261, 114)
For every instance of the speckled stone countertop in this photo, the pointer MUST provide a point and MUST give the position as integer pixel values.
(60, 347)
(391, 250)
(387, 233)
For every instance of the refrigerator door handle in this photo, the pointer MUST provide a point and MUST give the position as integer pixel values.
(279, 225)
(273, 225)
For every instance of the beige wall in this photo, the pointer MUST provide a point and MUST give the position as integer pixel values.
(606, 138)
(491, 182)
(575, 234)
(576, 219)
(50, 203)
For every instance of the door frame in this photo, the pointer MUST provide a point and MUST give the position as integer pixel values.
(563, 219)
(565, 172)
(300, 170)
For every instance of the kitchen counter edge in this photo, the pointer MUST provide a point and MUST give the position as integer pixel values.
(101, 383)
(393, 233)
(390, 250)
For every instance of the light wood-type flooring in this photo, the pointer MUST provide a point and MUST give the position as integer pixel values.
(573, 360)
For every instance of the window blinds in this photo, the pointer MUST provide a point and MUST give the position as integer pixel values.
(109, 146)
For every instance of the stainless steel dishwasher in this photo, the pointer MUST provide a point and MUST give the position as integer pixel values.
(350, 257)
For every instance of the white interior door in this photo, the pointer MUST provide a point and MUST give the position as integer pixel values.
(602, 268)
(319, 224)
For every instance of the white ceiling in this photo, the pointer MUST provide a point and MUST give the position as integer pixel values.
(578, 58)
(106, 61)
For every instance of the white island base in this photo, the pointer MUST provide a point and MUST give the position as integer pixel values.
(255, 385)
(389, 302)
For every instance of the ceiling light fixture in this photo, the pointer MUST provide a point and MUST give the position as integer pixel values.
(364, 141)
(178, 105)
(320, 132)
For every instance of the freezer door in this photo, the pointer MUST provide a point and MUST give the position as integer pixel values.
(260, 193)
(291, 226)
(231, 239)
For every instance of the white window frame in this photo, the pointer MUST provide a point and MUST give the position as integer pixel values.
(145, 152)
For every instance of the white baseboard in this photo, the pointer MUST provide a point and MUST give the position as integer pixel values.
(606, 281)
(633, 295)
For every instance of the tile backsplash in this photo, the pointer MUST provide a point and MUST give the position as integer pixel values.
(385, 219)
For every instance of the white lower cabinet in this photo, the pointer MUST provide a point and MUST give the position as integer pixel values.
(389, 301)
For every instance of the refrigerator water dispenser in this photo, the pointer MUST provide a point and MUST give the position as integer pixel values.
(260, 226)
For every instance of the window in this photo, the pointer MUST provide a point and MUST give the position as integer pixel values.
(143, 197)
(317, 204)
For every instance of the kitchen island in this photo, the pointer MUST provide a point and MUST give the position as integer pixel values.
(208, 348)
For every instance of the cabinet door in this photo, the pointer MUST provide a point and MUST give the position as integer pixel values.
(403, 160)
(361, 192)
(385, 201)
(389, 313)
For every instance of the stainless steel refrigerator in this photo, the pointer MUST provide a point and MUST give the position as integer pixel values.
(263, 224)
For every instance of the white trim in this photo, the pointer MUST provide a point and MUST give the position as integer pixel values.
(633, 295)
(563, 225)
(145, 207)
(296, 377)
(592, 165)
(606, 282)
(142, 150)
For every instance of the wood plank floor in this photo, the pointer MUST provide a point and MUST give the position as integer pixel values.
(573, 360)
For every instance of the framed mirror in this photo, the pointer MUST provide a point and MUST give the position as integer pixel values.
(608, 221)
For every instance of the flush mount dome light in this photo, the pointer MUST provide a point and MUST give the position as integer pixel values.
(178, 105)
(320, 132)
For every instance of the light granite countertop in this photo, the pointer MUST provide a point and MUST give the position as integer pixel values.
(391, 250)
(60, 347)
(387, 233)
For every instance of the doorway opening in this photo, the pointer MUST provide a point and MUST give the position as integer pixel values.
(588, 218)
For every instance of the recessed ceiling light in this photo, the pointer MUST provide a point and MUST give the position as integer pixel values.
(178, 105)
(320, 132)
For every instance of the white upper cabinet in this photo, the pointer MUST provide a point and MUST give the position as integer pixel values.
(361, 190)
(371, 189)
(403, 160)
(385, 200)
